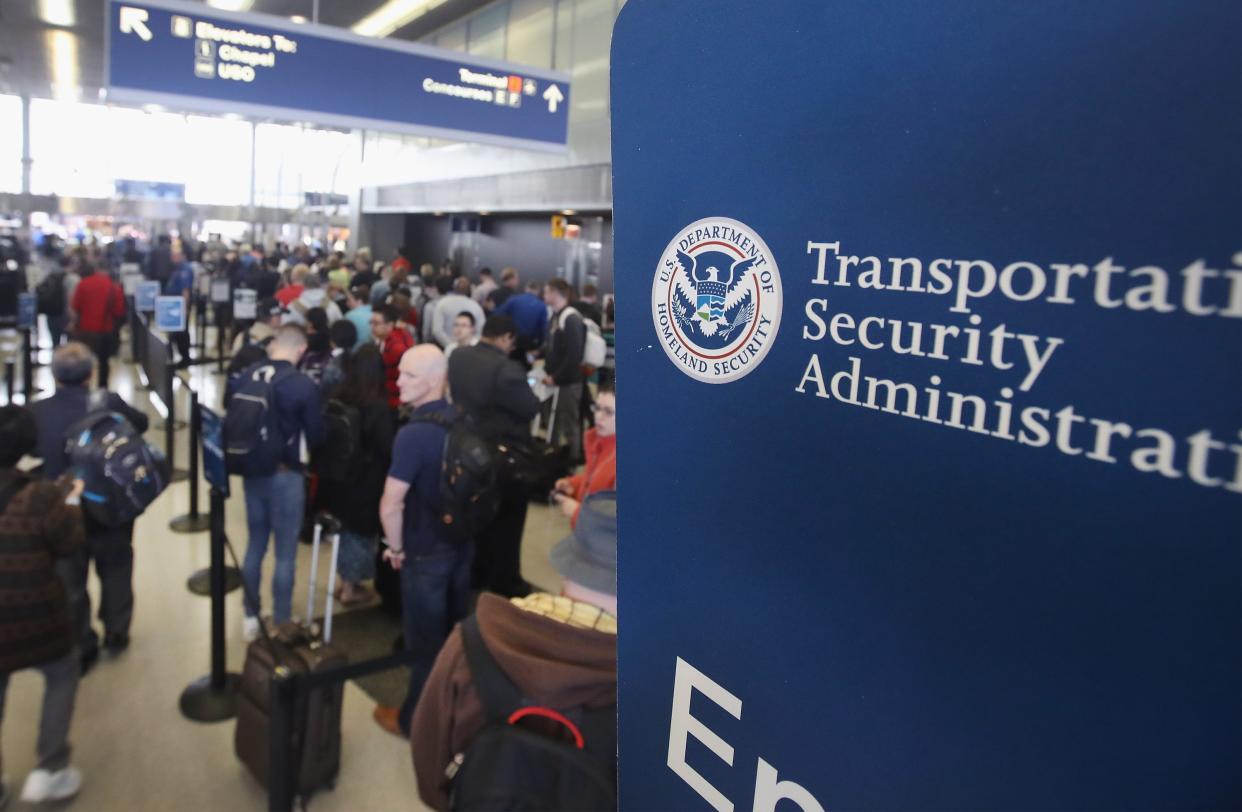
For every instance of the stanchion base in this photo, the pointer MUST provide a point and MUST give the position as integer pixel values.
(178, 425)
(179, 475)
(201, 703)
(200, 582)
(189, 523)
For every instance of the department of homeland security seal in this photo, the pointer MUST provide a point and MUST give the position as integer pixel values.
(716, 300)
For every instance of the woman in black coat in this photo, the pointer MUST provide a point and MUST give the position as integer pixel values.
(356, 503)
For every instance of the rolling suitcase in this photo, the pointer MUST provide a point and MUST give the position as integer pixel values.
(544, 463)
(316, 755)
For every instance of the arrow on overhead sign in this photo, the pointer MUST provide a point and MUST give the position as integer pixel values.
(553, 96)
(134, 21)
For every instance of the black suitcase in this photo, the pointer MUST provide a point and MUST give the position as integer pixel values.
(297, 646)
(541, 463)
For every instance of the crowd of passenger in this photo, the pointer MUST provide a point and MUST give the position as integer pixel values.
(370, 363)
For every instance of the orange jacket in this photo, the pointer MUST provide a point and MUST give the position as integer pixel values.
(600, 472)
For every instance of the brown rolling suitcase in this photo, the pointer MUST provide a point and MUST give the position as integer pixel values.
(316, 747)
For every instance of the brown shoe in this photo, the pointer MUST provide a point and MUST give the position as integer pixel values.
(386, 717)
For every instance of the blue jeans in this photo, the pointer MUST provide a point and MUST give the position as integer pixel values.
(435, 596)
(273, 505)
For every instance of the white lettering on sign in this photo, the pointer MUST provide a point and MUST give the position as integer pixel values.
(231, 53)
(769, 789)
(470, 77)
(443, 89)
(235, 36)
(1020, 359)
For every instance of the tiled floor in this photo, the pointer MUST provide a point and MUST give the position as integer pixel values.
(136, 750)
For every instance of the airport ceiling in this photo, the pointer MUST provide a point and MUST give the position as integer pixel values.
(54, 48)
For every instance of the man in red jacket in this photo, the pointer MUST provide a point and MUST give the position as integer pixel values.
(98, 305)
(393, 341)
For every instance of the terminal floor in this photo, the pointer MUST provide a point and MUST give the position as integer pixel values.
(137, 752)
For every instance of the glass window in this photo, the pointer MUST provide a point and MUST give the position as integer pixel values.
(487, 31)
(530, 32)
(11, 144)
(216, 157)
(276, 180)
(290, 161)
(70, 145)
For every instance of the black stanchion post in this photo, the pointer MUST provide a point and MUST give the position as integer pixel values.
(10, 379)
(27, 367)
(281, 775)
(213, 698)
(193, 522)
(220, 340)
(170, 427)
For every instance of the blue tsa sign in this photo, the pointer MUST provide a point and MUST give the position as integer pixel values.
(188, 56)
(145, 295)
(170, 315)
(27, 311)
(936, 447)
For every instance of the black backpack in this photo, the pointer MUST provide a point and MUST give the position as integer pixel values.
(469, 491)
(50, 295)
(122, 473)
(509, 766)
(253, 441)
(340, 457)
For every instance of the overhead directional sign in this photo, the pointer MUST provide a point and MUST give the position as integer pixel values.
(188, 56)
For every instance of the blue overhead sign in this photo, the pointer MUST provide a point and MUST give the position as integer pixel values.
(188, 56)
(930, 350)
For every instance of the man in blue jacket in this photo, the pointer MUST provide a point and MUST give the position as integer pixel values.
(111, 548)
(530, 314)
(275, 502)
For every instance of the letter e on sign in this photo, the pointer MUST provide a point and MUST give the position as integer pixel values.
(689, 679)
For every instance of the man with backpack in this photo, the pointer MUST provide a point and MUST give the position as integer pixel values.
(38, 527)
(272, 420)
(543, 658)
(563, 366)
(434, 567)
(110, 547)
(491, 390)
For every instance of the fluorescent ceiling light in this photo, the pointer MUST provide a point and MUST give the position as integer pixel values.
(297, 18)
(568, 212)
(231, 5)
(57, 12)
(62, 50)
(391, 16)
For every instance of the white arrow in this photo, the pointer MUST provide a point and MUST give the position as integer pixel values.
(134, 21)
(554, 97)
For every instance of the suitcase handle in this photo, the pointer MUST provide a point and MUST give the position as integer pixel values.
(333, 526)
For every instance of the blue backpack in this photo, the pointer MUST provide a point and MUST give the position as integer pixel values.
(253, 441)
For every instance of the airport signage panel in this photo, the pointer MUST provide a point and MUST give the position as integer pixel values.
(244, 303)
(145, 295)
(929, 456)
(193, 57)
(27, 311)
(214, 468)
(170, 315)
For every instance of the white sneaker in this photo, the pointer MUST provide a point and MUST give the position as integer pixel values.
(44, 785)
(250, 628)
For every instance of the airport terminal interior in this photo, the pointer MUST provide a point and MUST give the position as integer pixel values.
(188, 187)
